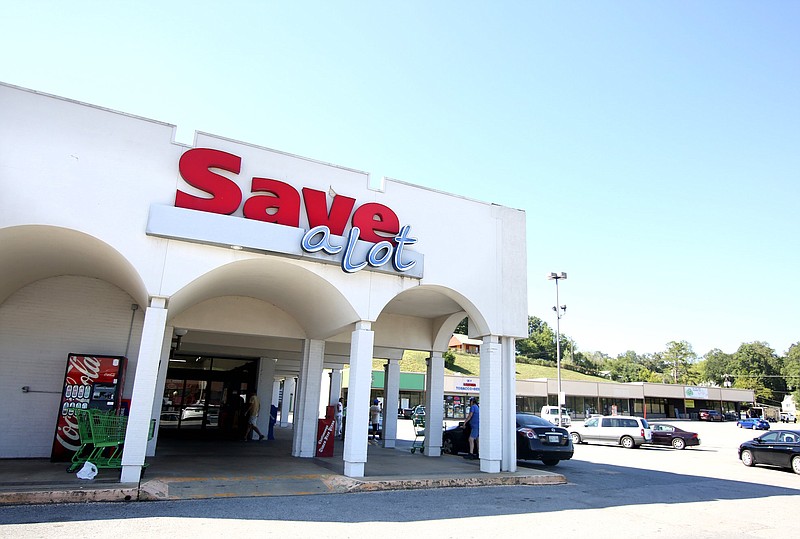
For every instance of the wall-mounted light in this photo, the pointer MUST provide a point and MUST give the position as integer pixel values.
(180, 333)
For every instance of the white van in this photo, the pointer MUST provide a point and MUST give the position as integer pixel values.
(628, 431)
(555, 415)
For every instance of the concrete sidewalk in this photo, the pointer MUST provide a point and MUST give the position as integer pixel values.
(209, 469)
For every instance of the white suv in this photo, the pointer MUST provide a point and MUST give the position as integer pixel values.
(628, 431)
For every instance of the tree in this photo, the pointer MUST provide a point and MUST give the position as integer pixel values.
(716, 367)
(679, 355)
(628, 367)
(463, 327)
(541, 341)
(791, 367)
(449, 358)
(585, 362)
(756, 367)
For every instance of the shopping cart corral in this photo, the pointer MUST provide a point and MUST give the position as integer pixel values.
(102, 436)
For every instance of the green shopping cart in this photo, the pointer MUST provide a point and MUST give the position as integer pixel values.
(102, 437)
(419, 434)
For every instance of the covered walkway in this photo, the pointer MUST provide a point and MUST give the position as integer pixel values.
(209, 469)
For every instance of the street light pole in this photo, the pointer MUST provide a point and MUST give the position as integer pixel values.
(559, 309)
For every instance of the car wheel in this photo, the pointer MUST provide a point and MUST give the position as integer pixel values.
(747, 458)
(678, 443)
(576, 438)
(627, 442)
(796, 464)
(447, 446)
(553, 462)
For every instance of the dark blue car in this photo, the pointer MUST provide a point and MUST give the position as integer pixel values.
(755, 423)
(774, 448)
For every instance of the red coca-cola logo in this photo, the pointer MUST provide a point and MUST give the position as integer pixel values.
(82, 371)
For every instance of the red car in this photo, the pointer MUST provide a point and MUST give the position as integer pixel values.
(664, 434)
(711, 415)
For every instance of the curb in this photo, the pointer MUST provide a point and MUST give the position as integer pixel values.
(374, 485)
(72, 495)
(155, 490)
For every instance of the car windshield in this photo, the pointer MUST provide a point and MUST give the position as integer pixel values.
(527, 420)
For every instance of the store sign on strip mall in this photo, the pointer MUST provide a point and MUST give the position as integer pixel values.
(272, 212)
(468, 385)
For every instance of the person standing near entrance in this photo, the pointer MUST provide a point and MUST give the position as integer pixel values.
(253, 407)
(473, 420)
(339, 414)
(374, 416)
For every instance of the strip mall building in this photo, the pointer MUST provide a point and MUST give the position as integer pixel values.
(223, 269)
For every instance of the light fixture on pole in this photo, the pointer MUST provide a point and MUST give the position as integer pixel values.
(560, 310)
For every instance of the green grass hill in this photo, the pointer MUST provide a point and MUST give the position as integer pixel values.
(469, 365)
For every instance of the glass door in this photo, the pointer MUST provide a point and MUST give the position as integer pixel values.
(207, 396)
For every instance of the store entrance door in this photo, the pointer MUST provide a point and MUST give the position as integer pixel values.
(204, 397)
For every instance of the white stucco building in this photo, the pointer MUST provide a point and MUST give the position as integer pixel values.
(113, 236)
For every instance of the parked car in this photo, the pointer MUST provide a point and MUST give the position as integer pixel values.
(730, 415)
(788, 417)
(678, 438)
(628, 431)
(755, 423)
(537, 439)
(775, 448)
(711, 415)
(556, 415)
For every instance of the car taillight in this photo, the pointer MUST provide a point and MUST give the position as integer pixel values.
(528, 432)
(642, 434)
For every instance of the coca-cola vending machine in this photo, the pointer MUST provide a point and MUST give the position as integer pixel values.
(90, 382)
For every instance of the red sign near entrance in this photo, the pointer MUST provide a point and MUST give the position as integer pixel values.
(325, 429)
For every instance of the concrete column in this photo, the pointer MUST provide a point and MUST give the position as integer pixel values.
(307, 409)
(288, 401)
(144, 386)
(276, 392)
(336, 387)
(509, 399)
(264, 385)
(490, 442)
(158, 394)
(434, 405)
(391, 401)
(356, 423)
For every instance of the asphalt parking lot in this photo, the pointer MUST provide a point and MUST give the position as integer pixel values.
(611, 492)
(715, 457)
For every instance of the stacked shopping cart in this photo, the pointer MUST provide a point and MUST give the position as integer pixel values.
(102, 436)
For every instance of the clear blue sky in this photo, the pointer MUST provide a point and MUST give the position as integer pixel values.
(654, 145)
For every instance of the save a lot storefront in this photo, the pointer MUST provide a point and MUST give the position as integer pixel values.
(118, 241)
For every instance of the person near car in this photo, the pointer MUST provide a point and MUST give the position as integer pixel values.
(374, 417)
(473, 420)
(339, 414)
(253, 407)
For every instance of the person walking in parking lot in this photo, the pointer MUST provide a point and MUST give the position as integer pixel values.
(473, 420)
